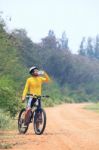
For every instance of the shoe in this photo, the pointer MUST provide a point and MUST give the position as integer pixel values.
(38, 130)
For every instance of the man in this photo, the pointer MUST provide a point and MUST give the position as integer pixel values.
(34, 87)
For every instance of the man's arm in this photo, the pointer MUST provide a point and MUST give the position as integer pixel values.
(46, 77)
(25, 90)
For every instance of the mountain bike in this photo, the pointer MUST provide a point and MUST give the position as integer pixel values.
(37, 116)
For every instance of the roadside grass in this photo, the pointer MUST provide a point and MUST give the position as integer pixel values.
(6, 135)
(6, 122)
(5, 146)
(93, 107)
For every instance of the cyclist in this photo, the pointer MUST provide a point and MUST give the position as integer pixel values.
(33, 86)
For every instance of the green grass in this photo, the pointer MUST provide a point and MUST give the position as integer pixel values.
(6, 122)
(6, 136)
(93, 107)
(5, 145)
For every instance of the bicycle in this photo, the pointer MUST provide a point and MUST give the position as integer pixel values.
(37, 116)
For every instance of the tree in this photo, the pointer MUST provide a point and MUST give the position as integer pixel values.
(90, 49)
(51, 33)
(82, 50)
(50, 40)
(64, 41)
(97, 47)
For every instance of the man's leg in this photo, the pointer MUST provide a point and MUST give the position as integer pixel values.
(38, 122)
(27, 112)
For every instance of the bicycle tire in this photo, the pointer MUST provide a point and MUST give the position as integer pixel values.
(19, 123)
(35, 121)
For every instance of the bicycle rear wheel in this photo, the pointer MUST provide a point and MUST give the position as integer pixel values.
(39, 121)
(21, 121)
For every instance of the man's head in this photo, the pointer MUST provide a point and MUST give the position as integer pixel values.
(33, 71)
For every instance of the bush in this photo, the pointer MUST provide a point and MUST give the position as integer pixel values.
(6, 121)
(68, 100)
(9, 101)
(5, 146)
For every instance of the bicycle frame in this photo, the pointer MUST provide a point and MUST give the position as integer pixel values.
(39, 106)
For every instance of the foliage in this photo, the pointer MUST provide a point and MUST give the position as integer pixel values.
(90, 48)
(93, 107)
(75, 77)
(5, 145)
(6, 121)
(9, 101)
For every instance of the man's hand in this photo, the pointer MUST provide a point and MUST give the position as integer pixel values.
(47, 77)
(23, 99)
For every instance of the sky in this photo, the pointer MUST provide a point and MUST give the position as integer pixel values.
(78, 18)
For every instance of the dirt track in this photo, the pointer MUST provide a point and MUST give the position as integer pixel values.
(69, 127)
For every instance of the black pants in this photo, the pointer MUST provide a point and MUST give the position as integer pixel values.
(33, 102)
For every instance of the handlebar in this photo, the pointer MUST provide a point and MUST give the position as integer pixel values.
(36, 96)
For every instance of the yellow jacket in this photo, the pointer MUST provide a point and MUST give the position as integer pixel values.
(34, 84)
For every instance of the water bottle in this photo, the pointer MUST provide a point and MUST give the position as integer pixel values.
(41, 72)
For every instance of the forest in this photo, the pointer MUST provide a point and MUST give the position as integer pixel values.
(75, 77)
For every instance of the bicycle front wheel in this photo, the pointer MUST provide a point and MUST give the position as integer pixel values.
(21, 121)
(39, 121)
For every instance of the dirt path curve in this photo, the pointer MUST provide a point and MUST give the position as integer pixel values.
(69, 127)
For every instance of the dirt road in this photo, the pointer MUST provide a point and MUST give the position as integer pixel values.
(69, 127)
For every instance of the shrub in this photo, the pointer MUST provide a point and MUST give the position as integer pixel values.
(6, 121)
(9, 101)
